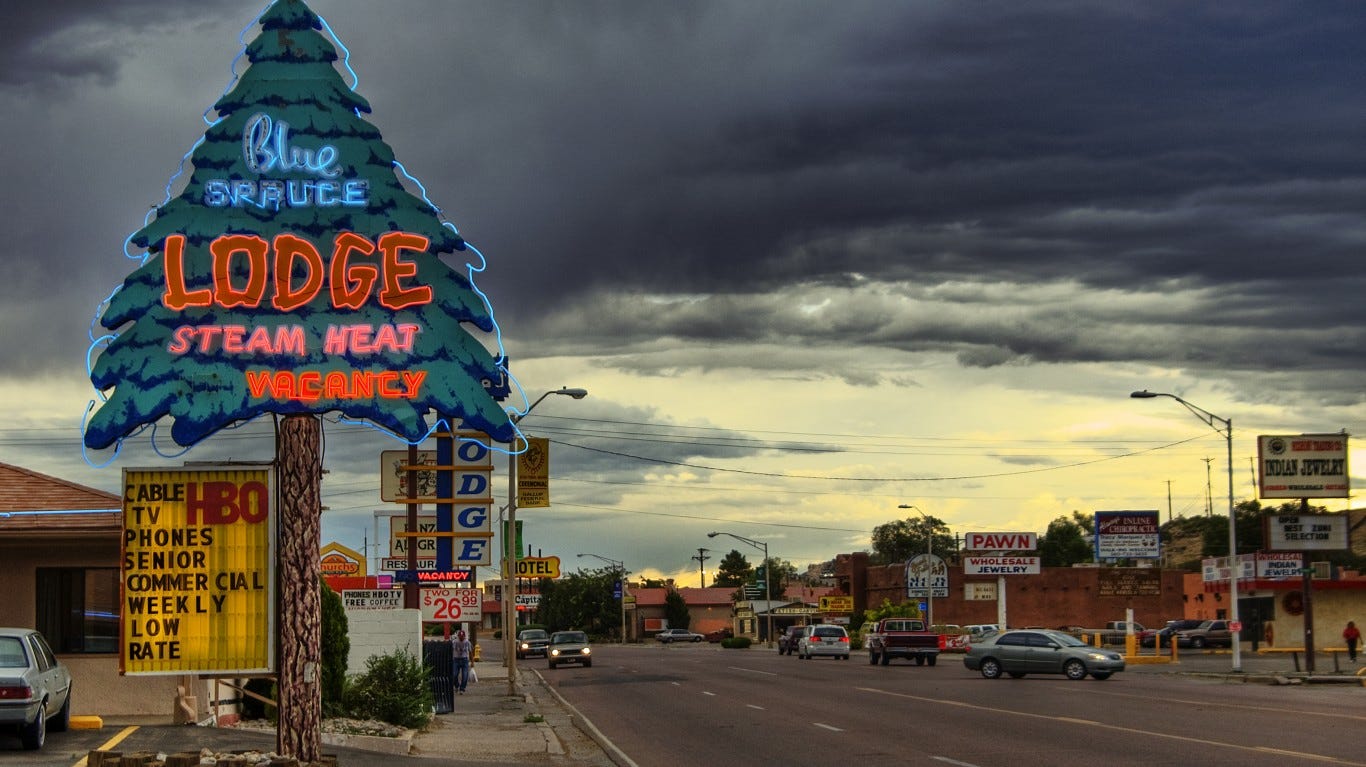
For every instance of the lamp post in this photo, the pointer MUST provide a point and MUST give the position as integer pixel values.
(620, 566)
(929, 562)
(1225, 427)
(510, 552)
(768, 578)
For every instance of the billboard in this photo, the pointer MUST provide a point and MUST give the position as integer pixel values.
(1305, 532)
(1000, 541)
(1127, 535)
(1002, 565)
(533, 474)
(1303, 466)
(927, 573)
(197, 571)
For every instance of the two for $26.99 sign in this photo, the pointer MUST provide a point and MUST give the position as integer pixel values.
(452, 605)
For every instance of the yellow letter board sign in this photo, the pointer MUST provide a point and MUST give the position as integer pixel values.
(198, 572)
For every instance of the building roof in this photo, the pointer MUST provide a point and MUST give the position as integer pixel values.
(37, 505)
(691, 597)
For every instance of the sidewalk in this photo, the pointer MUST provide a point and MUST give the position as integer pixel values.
(535, 727)
(1258, 668)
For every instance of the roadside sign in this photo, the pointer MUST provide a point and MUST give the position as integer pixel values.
(452, 605)
(372, 599)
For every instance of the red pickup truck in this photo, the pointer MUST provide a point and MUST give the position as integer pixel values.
(902, 638)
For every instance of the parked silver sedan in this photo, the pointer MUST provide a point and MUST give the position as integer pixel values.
(35, 688)
(1040, 652)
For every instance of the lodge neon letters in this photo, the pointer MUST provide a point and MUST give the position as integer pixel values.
(350, 282)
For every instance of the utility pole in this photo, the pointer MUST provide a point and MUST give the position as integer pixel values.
(701, 570)
(1209, 492)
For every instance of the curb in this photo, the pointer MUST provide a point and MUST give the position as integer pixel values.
(585, 726)
(400, 745)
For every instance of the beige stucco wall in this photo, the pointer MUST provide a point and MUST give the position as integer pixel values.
(98, 687)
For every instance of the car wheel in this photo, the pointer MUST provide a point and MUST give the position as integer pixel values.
(845, 658)
(872, 658)
(697, 639)
(62, 721)
(933, 659)
(1198, 642)
(1074, 669)
(1017, 674)
(990, 668)
(920, 660)
(552, 665)
(588, 664)
(1100, 676)
(885, 659)
(34, 734)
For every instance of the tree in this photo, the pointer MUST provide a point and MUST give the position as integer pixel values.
(336, 646)
(1065, 544)
(581, 600)
(734, 570)
(898, 541)
(289, 126)
(676, 610)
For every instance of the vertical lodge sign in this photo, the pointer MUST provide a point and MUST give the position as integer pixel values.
(198, 583)
(294, 274)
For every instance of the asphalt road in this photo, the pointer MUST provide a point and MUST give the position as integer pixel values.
(700, 705)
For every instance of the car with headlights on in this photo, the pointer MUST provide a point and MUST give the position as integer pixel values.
(532, 642)
(1018, 653)
(35, 687)
(570, 647)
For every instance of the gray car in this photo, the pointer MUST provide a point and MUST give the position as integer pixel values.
(35, 688)
(1040, 652)
(1207, 634)
(532, 642)
(570, 647)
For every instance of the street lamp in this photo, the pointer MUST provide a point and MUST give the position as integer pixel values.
(1225, 427)
(768, 578)
(510, 552)
(619, 565)
(929, 563)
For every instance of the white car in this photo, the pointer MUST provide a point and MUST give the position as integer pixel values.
(678, 635)
(35, 687)
(824, 639)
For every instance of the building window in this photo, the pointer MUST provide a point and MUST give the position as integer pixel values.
(78, 608)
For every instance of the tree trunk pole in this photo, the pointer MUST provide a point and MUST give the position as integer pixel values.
(299, 465)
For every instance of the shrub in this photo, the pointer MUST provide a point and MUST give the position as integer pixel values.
(393, 689)
(736, 643)
(334, 647)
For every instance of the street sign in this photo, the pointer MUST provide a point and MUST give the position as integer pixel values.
(452, 605)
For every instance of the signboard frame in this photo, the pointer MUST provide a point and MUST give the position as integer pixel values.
(1303, 466)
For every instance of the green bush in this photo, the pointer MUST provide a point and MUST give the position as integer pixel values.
(335, 647)
(736, 643)
(393, 689)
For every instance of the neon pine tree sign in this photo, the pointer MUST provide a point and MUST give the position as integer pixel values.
(294, 273)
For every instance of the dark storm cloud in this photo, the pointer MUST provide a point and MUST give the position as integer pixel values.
(1007, 183)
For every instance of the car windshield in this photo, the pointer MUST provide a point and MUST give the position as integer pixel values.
(825, 632)
(1066, 640)
(569, 637)
(12, 653)
(533, 634)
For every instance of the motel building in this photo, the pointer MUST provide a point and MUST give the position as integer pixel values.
(59, 542)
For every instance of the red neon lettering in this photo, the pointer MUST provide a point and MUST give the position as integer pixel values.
(394, 295)
(351, 284)
(176, 296)
(312, 385)
(287, 249)
(223, 248)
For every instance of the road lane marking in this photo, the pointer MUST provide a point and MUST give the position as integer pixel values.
(1242, 706)
(760, 708)
(827, 727)
(1102, 725)
(751, 670)
(947, 760)
(704, 692)
(114, 741)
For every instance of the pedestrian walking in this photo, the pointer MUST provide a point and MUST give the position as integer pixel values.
(460, 658)
(1352, 635)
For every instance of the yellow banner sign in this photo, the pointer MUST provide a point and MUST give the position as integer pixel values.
(538, 567)
(198, 571)
(533, 474)
(837, 604)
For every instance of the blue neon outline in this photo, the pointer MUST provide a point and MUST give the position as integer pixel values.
(501, 361)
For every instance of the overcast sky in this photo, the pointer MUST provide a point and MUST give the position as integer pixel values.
(811, 260)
